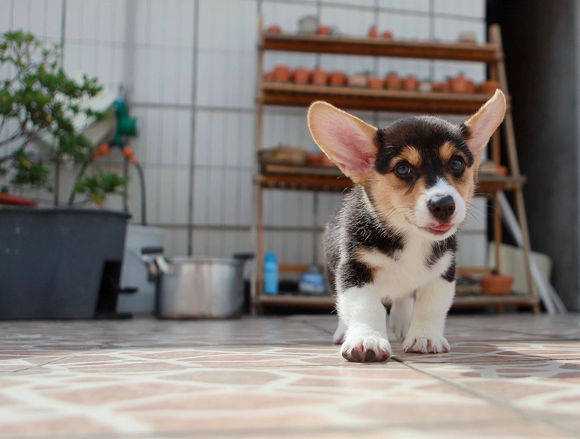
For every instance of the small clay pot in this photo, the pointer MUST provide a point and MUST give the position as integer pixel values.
(497, 284)
(441, 87)
(325, 161)
(281, 73)
(314, 158)
(269, 76)
(373, 33)
(459, 84)
(488, 87)
(301, 75)
(319, 77)
(274, 30)
(393, 82)
(358, 80)
(471, 88)
(324, 30)
(375, 82)
(410, 83)
(387, 35)
(337, 79)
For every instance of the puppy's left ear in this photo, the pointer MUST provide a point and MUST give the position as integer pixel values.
(482, 124)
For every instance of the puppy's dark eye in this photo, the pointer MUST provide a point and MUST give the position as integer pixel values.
(457, 165)
(404, 170)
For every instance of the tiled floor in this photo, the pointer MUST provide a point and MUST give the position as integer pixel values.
(507, 376)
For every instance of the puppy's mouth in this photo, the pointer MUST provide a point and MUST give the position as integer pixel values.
(439, 229)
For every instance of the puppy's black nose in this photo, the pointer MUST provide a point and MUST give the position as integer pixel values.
(442, 208)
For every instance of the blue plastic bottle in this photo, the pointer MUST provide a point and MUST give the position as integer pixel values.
(270, 274)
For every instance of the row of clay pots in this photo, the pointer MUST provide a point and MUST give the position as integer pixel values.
(275, 29)
(318, 76)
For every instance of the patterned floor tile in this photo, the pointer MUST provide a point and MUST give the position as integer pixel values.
(507, 376)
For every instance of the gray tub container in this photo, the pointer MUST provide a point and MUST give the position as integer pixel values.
(52, 260)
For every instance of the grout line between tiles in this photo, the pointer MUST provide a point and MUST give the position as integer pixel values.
(39, 365)
(536, 418)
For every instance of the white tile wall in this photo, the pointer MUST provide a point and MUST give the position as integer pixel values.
(162, 85)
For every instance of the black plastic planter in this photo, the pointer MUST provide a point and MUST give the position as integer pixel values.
(53, 261)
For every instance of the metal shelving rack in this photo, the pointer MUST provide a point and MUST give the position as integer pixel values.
(300, 178)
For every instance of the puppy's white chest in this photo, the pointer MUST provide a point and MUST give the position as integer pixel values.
(407, 270)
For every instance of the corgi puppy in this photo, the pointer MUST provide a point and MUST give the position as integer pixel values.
(394, 237)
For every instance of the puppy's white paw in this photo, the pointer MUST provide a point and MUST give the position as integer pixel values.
(425, 344)
(366, 348)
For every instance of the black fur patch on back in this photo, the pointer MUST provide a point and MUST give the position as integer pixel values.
(426, 134)
(439, 248)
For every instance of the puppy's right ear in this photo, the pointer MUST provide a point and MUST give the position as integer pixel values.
(345, 139)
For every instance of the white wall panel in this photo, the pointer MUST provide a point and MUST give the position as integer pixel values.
(469, 8)
(162, 85)
(409, 5)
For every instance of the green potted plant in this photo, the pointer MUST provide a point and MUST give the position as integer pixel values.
(53, 259)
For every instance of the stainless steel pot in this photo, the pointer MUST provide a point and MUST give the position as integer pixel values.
(200, 287)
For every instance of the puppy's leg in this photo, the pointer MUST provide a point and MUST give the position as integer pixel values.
(365, 318)
(431, 305)
(400, 317)
(338, 337)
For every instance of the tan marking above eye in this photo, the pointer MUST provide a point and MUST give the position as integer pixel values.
(448, 150)
(411, 155)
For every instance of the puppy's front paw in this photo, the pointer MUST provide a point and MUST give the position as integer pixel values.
(425, 344)
(366, 348)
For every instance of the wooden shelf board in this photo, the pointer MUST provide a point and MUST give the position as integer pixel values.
(328, 302)
(302, 95)
(488, 183)
(348, 45)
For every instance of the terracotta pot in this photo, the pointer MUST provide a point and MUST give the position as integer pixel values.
(301, 75)
(358, 80)
(410, 83)
(393, 81)
(337, 79)
(441, 87)
(282, 73)
(459, 84)
(324, 30)
(375, 82)
(269, 76)
(373, 33)
(497, 284)
(319, 77)
(325, 161)
(488, 87)
(274, 30)
(387, 35)
(471, 88)
(314, 158)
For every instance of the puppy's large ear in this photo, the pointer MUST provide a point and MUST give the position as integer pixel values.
(483, 123)
(344, 138)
